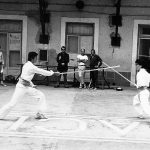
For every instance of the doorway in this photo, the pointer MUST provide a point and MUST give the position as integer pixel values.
(79, 36)
(141, 39)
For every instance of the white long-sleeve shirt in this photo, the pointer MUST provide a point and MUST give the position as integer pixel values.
(1, 58)
(143, 78)
(82, 57)
(29, 70)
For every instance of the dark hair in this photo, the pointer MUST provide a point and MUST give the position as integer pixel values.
(63, 48)
(32, 55)
(144, 63)
(93, 50)
(83, 49)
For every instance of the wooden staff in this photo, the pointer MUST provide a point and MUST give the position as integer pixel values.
(110, 67)
(120, 75)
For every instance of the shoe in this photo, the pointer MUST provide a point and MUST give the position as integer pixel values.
(94, 88)
(91, 88)
(84, 86)
(3, 84)
(66, 86)
(141, 117)
(80, 87)
(40, 116)
(56, 86)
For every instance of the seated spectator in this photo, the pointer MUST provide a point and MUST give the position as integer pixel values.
(82, 59)
(62, 60)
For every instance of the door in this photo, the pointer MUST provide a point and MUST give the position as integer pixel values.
(86, 42)
(75, 44)
(78, 35)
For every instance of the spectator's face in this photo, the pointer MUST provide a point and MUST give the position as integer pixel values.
(82, 51)
(35, 59)
(63, 50)
(92, 52)
(138, 67)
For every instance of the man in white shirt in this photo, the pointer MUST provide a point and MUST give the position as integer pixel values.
(25, 86)
(82, 59)
(141, 100)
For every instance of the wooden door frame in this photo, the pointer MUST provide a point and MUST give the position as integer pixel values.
(135, 46)
(95, 21)
(24, 32)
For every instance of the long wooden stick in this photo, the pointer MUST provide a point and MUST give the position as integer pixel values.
(120, 75)
(91, 70)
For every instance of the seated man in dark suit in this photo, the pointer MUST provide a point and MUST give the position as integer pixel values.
(62, 60)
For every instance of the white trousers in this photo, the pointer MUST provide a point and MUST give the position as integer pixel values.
(18, 94)
(141, 102)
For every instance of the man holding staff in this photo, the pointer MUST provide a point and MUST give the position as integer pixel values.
(25, 86)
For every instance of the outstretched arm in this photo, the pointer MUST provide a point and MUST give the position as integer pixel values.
(43, 72)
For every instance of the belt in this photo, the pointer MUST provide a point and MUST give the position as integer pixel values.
(142, 87)
(24, 82)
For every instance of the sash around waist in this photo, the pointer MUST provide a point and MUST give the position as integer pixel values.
(24, 82)
(142, 88)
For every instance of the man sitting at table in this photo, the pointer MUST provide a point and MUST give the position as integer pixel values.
(95, 63)
(62, 60)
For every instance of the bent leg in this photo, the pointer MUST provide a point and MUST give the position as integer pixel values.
(37, 94)
(144, 98)
(137, 105)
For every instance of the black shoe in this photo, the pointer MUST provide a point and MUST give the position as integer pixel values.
(2, 84)
(66, 86)
(40, 116)
(56, 86)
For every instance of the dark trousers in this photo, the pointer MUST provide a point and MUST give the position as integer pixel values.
(1, 74)
(94, 78)
(65, 79)
(62, 69)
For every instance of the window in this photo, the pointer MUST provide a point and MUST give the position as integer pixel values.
(144, 41)
(14, 49)
(14, 58)
(75, 32)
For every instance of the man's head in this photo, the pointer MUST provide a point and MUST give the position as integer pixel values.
(32, 56)
(63, 49)
(92, 51)
(82, 51)
(142, 63)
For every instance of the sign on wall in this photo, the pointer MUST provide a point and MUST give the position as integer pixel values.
(15, 41)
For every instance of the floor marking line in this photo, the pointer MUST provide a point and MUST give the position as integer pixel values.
(18, 123)
(111, 126)
(82, 124)
(124, 131)
(130, 127)
(83, 138)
